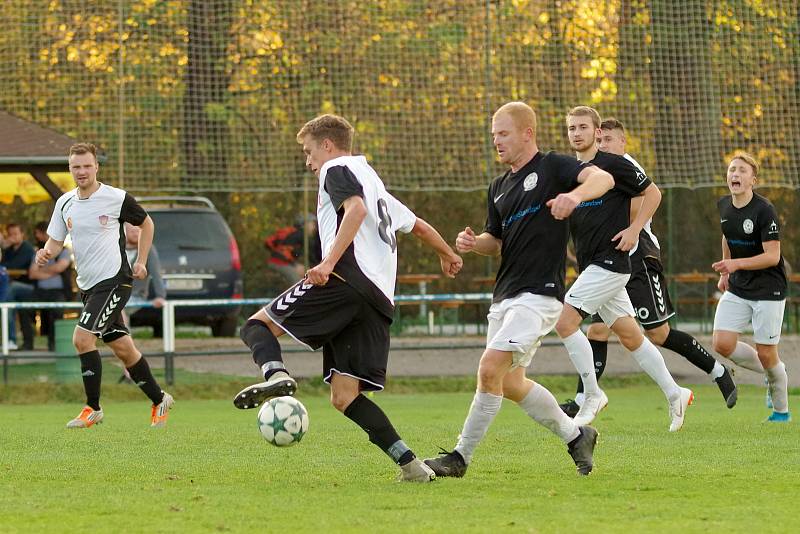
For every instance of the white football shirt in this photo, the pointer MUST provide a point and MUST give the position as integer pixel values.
(375, 245)
(98, 236)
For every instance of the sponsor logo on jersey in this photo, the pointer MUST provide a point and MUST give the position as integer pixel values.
(530, 181)
(520, 214)
(747, 226)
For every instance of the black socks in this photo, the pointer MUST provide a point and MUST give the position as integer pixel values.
(142, 377)
(92, 372)
(374, 422)
(689, 348)
(264, 345)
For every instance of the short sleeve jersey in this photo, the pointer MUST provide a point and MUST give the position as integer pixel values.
(369, 264)
(595, 222)
(648, 245)
(534, 244)
(98, 236)
(745, 230)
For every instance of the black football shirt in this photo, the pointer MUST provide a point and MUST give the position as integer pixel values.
(534, 243)
(595, 222)
(746, 229)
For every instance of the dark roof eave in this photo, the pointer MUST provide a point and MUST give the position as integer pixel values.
(41, 160)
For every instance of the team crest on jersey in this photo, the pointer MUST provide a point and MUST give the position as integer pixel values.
(103, 219)
(747, 226)
(530, 181)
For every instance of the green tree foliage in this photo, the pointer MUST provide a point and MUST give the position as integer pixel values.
(207, 95)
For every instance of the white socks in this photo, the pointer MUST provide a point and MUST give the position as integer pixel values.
(482, 412)
(543, 408)
(778, 387)
(746, 356)
(652, 362)
(717, 371)
(580, 352)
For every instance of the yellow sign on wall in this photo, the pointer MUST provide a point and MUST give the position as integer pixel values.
(28, 189)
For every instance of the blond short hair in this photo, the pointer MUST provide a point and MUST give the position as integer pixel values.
(750, 160)
(329, 126)
(83, 148)
(522, 115)
(585, 111)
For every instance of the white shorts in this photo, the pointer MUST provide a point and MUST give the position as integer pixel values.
(598, 290)
(517, 325)
(735, 313)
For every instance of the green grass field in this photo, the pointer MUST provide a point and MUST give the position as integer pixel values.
(210, 471)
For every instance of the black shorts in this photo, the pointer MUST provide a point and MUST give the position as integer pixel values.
(102, 308)
(649, 293)
(353, 335)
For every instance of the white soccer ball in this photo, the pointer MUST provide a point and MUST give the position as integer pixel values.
(283, 421)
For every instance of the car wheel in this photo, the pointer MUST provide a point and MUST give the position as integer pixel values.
(225, 327)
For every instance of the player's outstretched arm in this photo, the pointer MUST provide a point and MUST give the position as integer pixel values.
(485, 244)
(594, 181)
(651, 199)
(355, 211)
(450, 261)
(50, 250)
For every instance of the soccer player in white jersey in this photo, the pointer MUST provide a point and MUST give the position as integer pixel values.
(93, 215)
(346, 303)
(647, 289)
(753, 278)
(526, 302)
(603, 234)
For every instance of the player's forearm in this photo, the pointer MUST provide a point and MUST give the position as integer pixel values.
(145, 240)
(761, 261)
(354, 214)
(595, 183)
(431, 237)
(53, 247)
(650, 202)
(487, 245)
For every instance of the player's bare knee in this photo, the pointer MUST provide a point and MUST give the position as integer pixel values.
(658, 335)
(84, 341)
(598, 332)
(341, 399)
(768, 355)
(722, 345)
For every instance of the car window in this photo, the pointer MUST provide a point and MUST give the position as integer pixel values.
(187, 230)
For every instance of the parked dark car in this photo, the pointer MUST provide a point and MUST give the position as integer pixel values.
(199, 260)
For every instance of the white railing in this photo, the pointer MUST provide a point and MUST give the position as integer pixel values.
(168, 310)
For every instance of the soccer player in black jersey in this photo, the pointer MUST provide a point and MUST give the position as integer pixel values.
(345, 304)
(93, 214)
(753, 278)
(532, 243)
(647, 289)
(603, 234)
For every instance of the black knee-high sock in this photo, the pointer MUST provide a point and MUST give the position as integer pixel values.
(374, 422)
(689, 348)
(264, 345)
(141, 375)
(600, 354)
(92, 373)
